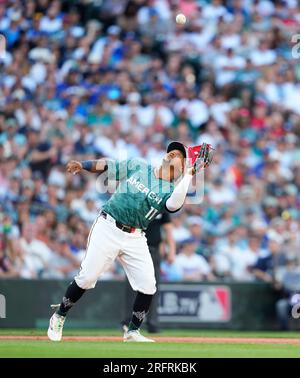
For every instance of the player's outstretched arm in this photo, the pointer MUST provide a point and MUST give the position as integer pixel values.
(95, 166)
(177, 198)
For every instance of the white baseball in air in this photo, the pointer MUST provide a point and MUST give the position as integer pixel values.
(180, 18)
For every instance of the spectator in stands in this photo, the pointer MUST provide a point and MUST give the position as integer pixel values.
(193, 267)
(267, 266)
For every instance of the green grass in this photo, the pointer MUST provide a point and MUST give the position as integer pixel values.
(114, 349)
(179, 333)
(32, 348)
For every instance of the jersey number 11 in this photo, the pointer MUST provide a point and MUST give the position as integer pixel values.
(151, 213)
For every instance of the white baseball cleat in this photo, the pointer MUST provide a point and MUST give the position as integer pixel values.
(136, 337)
(56, 326)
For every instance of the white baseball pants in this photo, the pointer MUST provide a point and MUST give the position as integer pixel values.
(106, 241)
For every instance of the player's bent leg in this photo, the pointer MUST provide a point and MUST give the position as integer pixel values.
(102, 249)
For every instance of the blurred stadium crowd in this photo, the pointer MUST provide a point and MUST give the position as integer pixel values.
(84, 79)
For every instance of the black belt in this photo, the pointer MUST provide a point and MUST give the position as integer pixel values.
(120, 225)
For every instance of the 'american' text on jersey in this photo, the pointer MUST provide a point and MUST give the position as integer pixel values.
(143, 189)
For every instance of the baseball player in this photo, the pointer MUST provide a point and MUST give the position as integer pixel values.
(143, 192)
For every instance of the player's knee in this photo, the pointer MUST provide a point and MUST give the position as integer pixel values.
(152, 291)
(148, 288)
(86, 282)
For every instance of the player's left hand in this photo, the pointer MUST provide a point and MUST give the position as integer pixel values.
(204, 158)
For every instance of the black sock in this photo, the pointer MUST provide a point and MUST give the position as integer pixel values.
(73, 293)
(140, 309)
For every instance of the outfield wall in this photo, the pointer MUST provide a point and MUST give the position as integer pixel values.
(182, 305)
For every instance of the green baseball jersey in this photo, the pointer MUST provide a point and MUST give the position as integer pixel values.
(140, 196)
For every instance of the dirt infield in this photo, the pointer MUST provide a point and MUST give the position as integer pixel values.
(200, 340)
